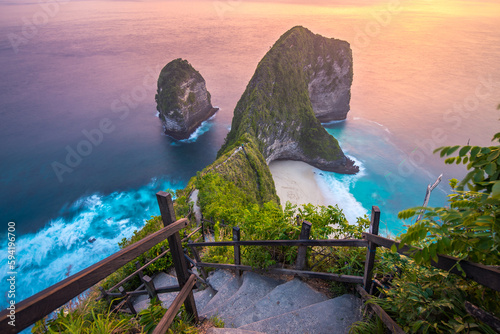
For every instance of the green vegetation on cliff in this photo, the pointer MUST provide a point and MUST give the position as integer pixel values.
(170, 89)
(171, 77)
(246, 168)
(276, 108)
(274, 119)
(237, 180)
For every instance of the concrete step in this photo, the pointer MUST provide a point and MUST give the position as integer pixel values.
(202, 298)
(219, 278)
(160, 280)
(253, 288)
(225, 292)
(333, 316)
(287, 297)
(230, 331)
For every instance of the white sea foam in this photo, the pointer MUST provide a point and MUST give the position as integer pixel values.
(203, 128)
(333, 122)
(336, 189)
(62, 247)
(386, 129)
(358, 163)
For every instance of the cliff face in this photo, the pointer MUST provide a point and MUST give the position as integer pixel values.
(303, 80)
(182, 99)
(330, 83)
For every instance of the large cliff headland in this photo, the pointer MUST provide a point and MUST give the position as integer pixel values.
(182, 99)
(303, 79)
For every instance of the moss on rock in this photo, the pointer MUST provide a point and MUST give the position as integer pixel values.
(276, 108)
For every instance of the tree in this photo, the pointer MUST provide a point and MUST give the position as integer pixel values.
(469, 228)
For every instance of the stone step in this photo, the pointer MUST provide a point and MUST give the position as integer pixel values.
(160, 280)
(253, 288)
(333, 316)
(225, 292)
(287, 297)
(214, 330)
(202, 298)
(219, 278)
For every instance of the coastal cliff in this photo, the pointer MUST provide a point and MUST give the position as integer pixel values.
(303, 80)
(183, 101)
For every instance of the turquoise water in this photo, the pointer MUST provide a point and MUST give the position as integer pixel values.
(62, 247)
(388, 178)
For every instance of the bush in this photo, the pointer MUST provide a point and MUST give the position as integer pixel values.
(270, 222)
(427, 300)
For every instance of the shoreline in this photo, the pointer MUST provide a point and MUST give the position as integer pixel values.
(295, 181)
(301, 183)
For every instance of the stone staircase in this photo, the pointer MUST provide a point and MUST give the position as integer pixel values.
(257, 304)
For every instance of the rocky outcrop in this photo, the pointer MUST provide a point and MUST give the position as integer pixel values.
(182, 99)
(330, 83)
(303, 80)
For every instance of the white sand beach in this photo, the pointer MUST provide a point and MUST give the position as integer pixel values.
(295, 182)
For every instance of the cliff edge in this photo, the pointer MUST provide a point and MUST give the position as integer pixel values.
(303, 80)
(182, 99)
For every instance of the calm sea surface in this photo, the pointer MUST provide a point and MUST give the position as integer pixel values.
(83, 154)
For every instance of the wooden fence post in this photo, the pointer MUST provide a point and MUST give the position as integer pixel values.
(104, 293)
(140, 273)
(168, 216)
(371, 250)
(127, 300)
(202, 229)
(150, 286)
(237, 253)
(198, 259)
(302, 252)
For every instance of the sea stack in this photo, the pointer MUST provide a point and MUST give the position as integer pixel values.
(303, 80)
(182, 99)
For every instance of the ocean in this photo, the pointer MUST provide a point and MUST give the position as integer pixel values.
(83, 152)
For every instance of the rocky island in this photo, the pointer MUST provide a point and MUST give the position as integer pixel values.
(303, 80)
(182, 100)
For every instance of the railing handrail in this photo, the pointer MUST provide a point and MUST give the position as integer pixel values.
(169, 316)
(132, 275)
(484, 275)
(319, 242)
(43, 303)
(291, 272)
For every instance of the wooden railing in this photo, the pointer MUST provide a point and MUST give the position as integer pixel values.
(487, 276)
(147, 287)
(45, 302)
